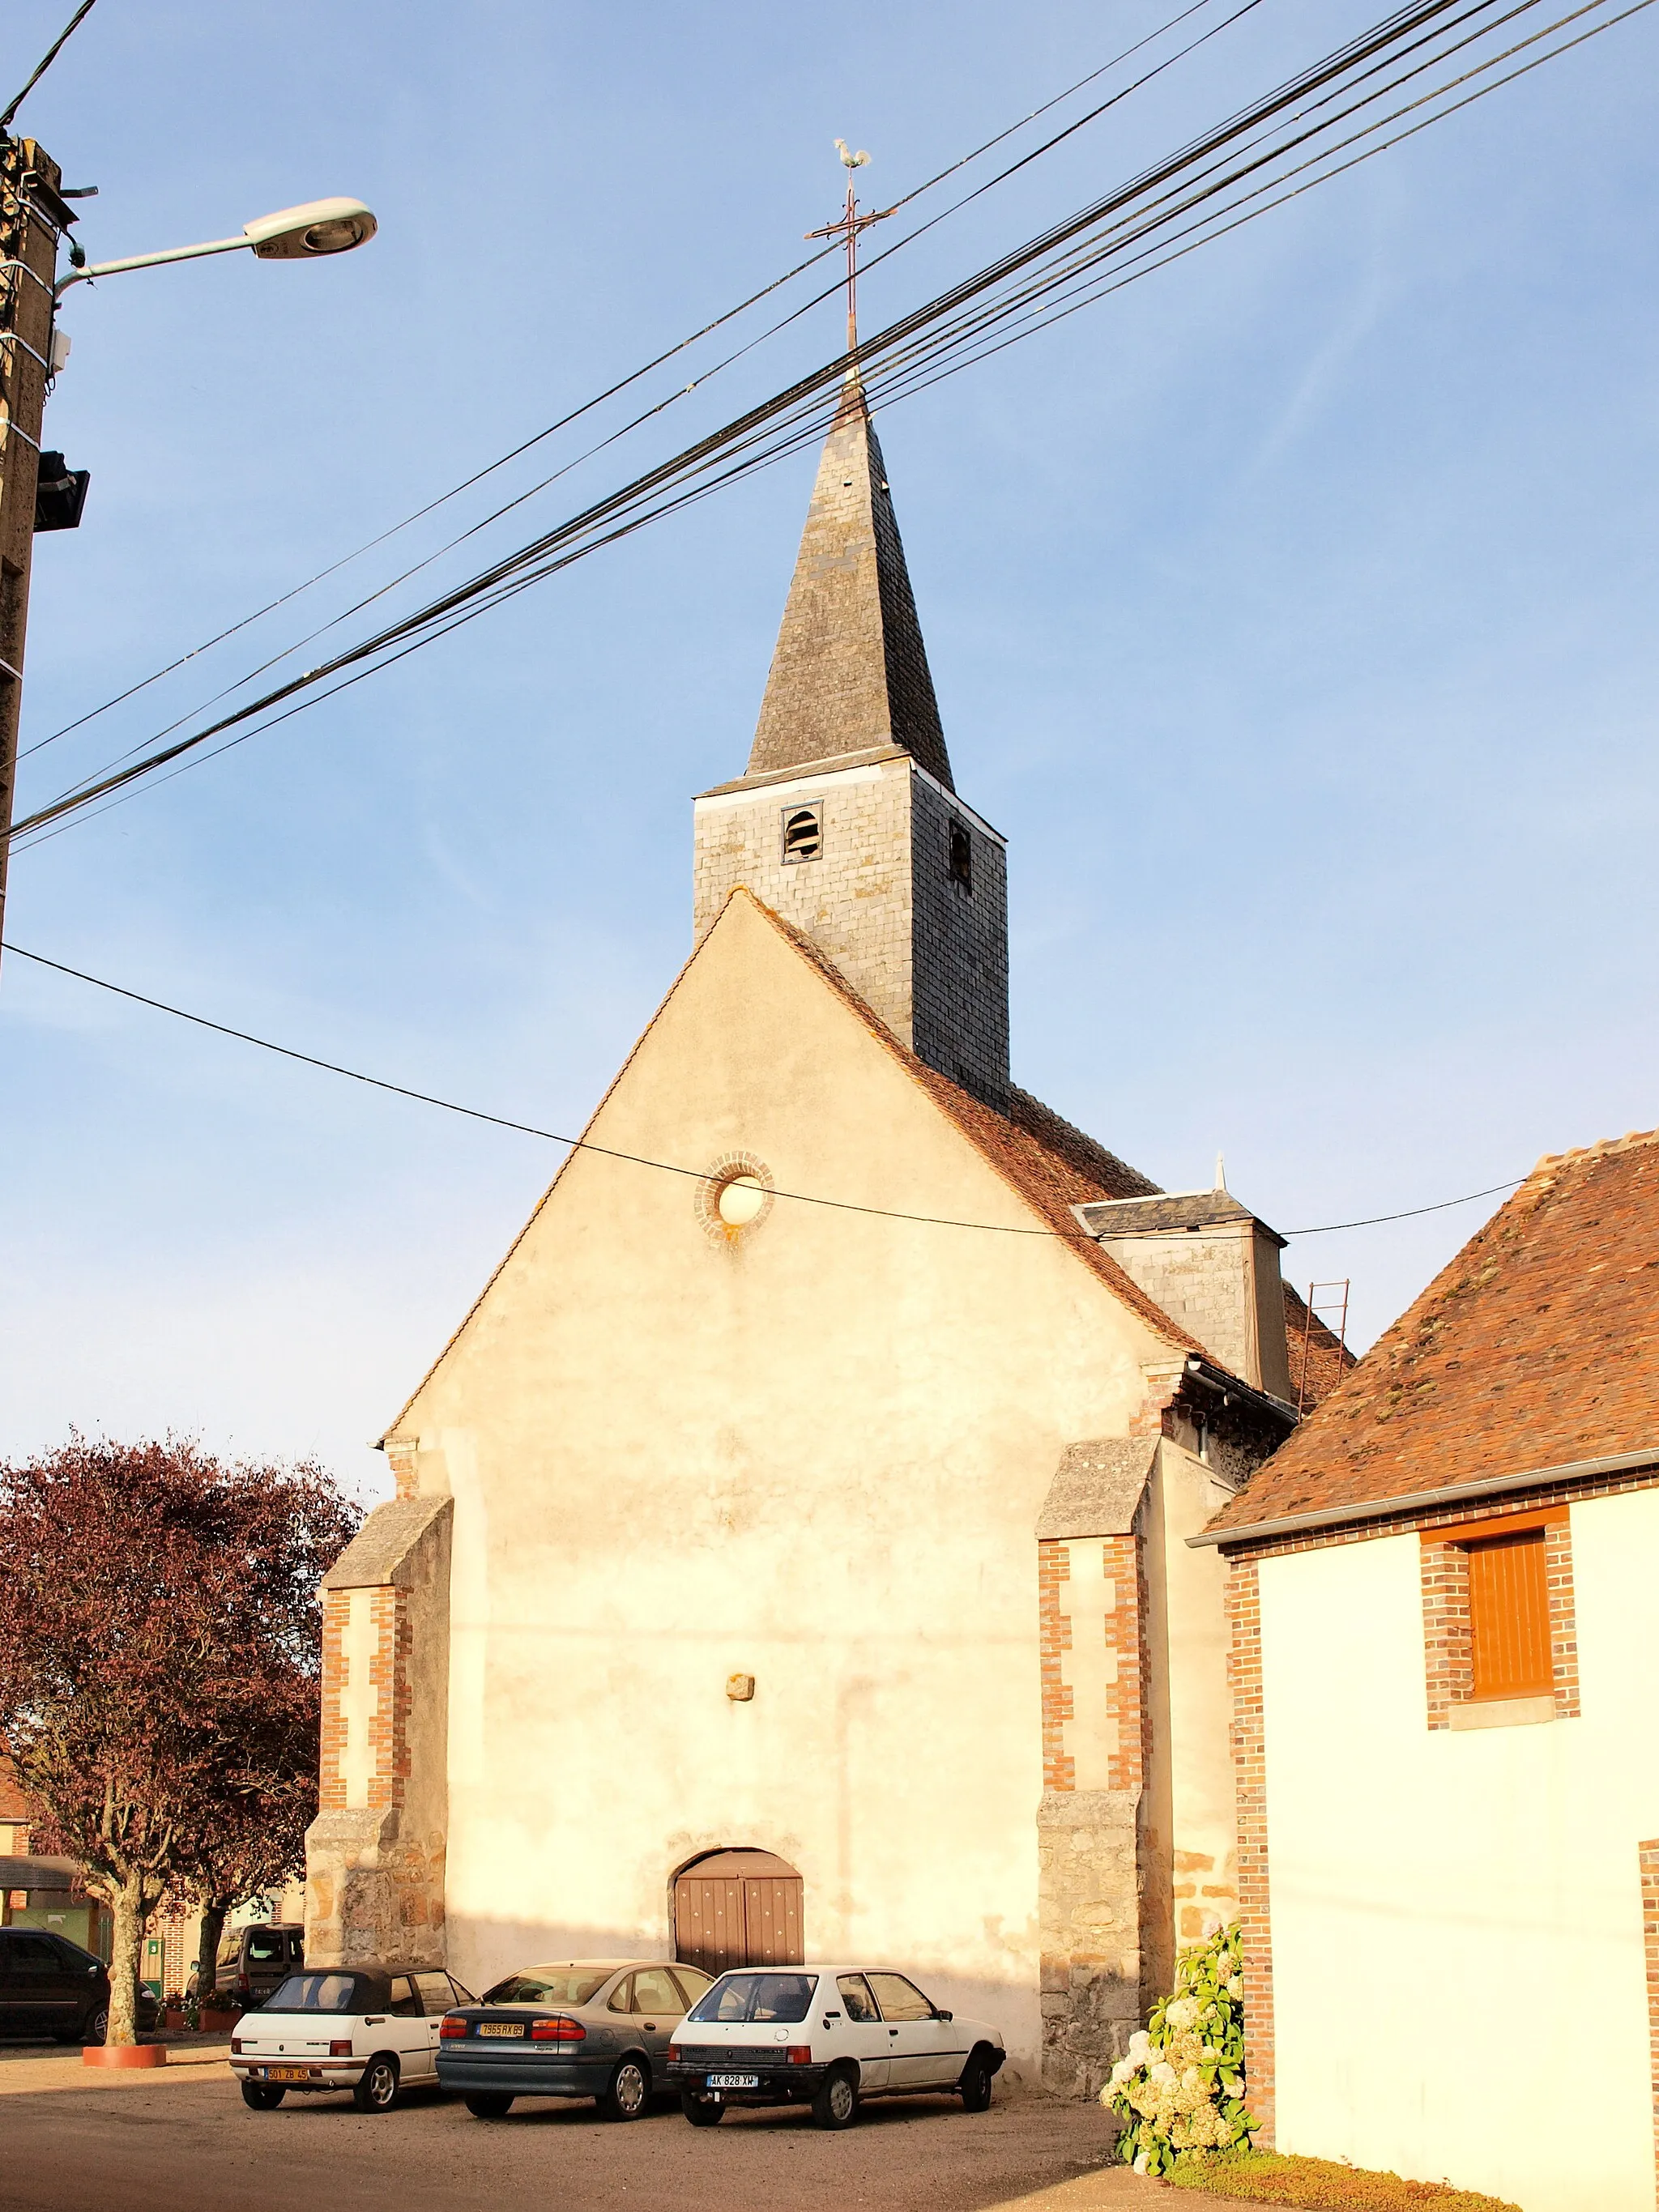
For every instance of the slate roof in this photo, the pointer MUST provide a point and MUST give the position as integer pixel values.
(1537, 1348)
(849, 671)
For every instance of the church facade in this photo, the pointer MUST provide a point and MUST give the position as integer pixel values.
(788, 1554)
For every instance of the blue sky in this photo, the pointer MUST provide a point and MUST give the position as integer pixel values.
(1292, 613)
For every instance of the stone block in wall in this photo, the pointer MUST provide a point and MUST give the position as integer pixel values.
(1089, 1919)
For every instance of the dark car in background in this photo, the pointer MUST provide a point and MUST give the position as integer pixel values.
(582, 2027)
(50, 1988)
(255, 1960)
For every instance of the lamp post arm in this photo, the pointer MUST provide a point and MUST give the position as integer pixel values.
(150, 261)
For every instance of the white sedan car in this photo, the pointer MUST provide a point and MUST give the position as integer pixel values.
(370, 2029)
(827, 2036)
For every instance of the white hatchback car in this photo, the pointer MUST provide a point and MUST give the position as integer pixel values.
(827, 2036)
(371, 2029)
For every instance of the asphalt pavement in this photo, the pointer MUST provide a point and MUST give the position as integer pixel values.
(179, 2139)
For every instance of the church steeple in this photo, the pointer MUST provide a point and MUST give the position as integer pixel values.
(850, 671)
(846, 821)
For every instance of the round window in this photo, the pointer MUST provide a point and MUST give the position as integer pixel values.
(740, 1200)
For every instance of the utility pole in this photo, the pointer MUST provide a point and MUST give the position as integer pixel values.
(33, 220)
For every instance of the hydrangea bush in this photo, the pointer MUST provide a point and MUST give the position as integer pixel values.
(1181, 2089)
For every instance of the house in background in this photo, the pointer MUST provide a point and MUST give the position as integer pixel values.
(1445, 1593)
(770, 1577)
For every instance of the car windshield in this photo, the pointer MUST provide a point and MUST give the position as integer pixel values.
(315, 1993)
(562, 1985)
(757, 1996)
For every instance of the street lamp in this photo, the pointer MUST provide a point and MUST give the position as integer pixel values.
(39, 491)
(295, 234)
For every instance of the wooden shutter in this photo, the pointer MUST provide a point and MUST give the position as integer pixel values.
(1510, 1617)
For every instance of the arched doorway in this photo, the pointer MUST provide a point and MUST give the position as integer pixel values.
(737, 1909)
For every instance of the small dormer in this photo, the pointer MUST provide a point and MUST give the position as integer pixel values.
(1212, 1266)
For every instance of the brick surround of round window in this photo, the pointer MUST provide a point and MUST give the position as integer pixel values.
(732, 1168)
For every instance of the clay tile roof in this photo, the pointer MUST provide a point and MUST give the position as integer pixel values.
(1537, 1347)
(849, 671)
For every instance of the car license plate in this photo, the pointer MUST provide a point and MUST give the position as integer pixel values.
(733, 2081)
(501, 2027)
(288, 2074)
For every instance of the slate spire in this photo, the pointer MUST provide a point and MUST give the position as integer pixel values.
(849, 672)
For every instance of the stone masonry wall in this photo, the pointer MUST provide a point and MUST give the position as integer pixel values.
(960, 957)
(376, 1853)
(928, 955)
(853, 902)
(1090, 1855)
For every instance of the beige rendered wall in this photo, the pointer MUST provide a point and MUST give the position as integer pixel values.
(1457, 1947)
(1199, 1734)
(815, 1457)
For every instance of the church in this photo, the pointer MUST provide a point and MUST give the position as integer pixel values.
(788, 1558)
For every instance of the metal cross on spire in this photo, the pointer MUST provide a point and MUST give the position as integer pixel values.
(849, 226)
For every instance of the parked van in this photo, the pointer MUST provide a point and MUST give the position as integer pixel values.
(252, 1961)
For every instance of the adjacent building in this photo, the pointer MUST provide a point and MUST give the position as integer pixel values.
(789, 1552)
(1445, 1655)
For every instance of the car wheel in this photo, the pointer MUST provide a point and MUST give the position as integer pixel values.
(702, 2111)
(489, 2104)
(976, 2083)
(377, 2085)
(836, 2104)
(627, 2092)
(263, 2096)
(96, 2026)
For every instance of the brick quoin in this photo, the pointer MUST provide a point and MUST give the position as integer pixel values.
(1126, 1636)
(1251, 1771)
(1055, 1637)
(1648, 1861)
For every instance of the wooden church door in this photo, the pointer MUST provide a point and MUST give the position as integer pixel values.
(738, 1909)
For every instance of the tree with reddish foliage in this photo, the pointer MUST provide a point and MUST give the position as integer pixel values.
(160, 1662)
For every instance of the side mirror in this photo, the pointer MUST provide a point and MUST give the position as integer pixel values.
(940, 2014)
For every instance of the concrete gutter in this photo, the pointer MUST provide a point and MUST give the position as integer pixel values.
(1424, 1501)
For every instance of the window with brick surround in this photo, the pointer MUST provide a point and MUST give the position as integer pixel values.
(1500, 1633)
(1509, 1617)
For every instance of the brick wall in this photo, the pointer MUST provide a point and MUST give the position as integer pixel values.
(1648, 1863)
(1250, 1773)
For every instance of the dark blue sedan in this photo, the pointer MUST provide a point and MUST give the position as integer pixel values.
(580, 2028)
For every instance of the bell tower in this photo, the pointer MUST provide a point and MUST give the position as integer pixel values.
(846, 821)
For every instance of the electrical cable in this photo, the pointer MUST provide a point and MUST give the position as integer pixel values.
(611, 392)
(544, 556)
(808, 391)
(668, 1167)
(48, 58)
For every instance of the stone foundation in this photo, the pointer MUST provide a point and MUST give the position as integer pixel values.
(1088, 1875)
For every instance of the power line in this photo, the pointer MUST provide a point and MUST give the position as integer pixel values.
(668, 1167)
(805, 400)
(636, 375)
(48, 58)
